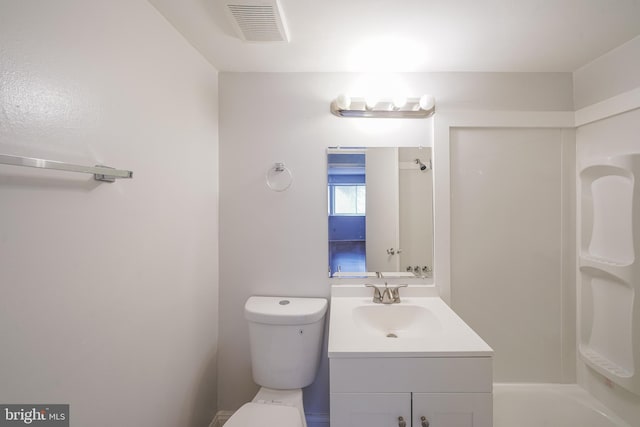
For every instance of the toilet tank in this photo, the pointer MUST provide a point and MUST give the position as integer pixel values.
(286, 336)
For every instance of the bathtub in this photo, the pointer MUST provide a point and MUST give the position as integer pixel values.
(549, 405)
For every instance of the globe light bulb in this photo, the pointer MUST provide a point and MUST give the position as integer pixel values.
(371, 101)
(343, 102)
(427, 102)
(399, 101)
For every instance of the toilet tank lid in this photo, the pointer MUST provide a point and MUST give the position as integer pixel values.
(285, 310)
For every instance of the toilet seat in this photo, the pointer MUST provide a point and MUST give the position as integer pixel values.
(265, 414)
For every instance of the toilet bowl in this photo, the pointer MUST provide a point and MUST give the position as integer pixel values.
(285, 336)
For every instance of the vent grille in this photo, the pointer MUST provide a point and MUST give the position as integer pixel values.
(258, 21)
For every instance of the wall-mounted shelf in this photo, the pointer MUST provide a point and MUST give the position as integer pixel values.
(99, 172)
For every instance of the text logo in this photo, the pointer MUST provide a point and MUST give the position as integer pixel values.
(34, 415)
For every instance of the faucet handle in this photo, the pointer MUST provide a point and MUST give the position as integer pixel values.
(395, 292)
(377, 296)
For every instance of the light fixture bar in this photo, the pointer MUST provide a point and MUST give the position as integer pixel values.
(413, 108)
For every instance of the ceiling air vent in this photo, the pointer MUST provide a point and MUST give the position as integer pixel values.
(257, 20)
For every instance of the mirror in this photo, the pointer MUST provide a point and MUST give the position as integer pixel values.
(380, 206)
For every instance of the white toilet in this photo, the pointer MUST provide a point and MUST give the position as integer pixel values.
(286, 340)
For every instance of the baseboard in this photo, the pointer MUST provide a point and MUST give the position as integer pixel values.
(220, 418)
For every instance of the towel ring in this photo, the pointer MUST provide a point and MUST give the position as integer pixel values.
(279, 177)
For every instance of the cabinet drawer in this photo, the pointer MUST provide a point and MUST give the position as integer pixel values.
(422, 375)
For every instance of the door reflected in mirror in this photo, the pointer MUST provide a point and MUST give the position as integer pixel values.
(380, 209)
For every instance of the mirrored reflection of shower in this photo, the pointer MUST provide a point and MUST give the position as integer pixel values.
(423, 167)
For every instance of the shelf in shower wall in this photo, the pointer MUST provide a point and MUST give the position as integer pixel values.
(607, 324)
(609, 273)
(603, 362)
(621, 271)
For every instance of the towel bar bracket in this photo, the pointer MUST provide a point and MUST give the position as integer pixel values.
(106, 177)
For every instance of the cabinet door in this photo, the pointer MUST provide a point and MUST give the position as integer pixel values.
(453, 409)
(370, 409)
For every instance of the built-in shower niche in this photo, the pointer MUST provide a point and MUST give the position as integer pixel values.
(609, 272)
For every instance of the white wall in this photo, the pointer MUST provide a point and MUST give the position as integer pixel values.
(276, 243)
(612, 74)
(108, 291)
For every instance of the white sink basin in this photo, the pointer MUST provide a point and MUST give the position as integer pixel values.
(396, 320)
(421, 325)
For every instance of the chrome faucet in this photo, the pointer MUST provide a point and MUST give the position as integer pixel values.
(377, 295)
(388, 295)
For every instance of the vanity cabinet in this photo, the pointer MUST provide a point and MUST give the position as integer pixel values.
(376, 392)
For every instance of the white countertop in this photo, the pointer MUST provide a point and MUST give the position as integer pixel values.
(445, 335)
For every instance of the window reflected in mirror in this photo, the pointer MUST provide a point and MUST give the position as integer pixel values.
(347, 211)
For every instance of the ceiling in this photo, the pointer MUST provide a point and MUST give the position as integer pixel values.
(414, 35)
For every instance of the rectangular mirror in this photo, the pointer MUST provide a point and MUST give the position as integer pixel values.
(380, 206)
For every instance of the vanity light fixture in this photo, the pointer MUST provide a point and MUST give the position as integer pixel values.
(397, 107)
